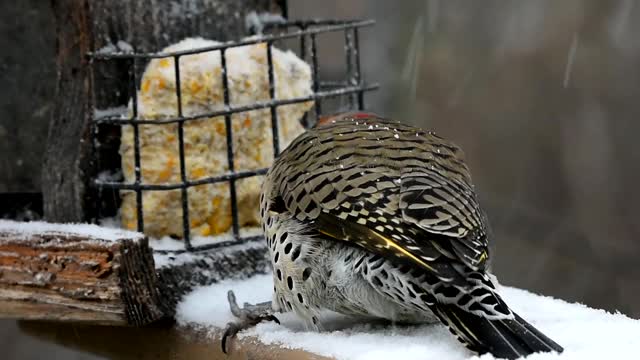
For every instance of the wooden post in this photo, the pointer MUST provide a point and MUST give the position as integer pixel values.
(70, 273)
(65, 158)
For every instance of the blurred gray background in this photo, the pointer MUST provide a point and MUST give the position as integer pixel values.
(543, 96)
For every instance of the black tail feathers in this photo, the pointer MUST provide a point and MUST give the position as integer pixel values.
(505, 338)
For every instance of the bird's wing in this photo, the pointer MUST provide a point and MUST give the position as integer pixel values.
(447, 207)
(367, 195)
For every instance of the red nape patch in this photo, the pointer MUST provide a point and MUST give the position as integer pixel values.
(329, 119)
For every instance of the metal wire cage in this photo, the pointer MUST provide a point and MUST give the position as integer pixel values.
(350, 89)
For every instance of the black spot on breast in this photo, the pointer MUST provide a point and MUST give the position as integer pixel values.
(306, 273)
(289, 305)
(277, 205)
(283, 237)
(300, 298)
(295, 253)
(329, 273)
(279, 273)
(347, 259)
(374, 258)
(376, 281)
(314, 320)
(359, 262)
(384, 274)
(275, 258)
(287, 248)
(290, 282)
(365, 270)
(411, 293)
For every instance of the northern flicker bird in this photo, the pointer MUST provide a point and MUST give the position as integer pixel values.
(372, 218)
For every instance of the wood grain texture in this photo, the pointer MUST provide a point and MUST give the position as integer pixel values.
(65, 160)
(69, 277)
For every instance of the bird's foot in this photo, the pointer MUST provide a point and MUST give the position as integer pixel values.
(249, 315)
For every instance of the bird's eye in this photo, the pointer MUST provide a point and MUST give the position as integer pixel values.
(277, 205)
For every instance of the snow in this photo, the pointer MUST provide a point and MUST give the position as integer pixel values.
(257, 21)
(177, 259)
(111, 112)
(168, 243)
(23, 230)
(120, 47)
(585, 333)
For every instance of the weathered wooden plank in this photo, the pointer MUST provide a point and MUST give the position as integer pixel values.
(71, 273)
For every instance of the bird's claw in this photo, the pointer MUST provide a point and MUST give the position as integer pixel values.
(249, 315)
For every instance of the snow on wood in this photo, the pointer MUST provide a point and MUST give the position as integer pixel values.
(180, 273)
(76, 272)
(584, 332)
(26, 230)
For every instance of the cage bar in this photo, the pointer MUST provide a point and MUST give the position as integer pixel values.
(348, 49)
(136, 147)
(272, 96)
(320, 95)
(358, 75)
(324, 26)
(229, 131)
(316, 75)
(186, 228)
(303, 55)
